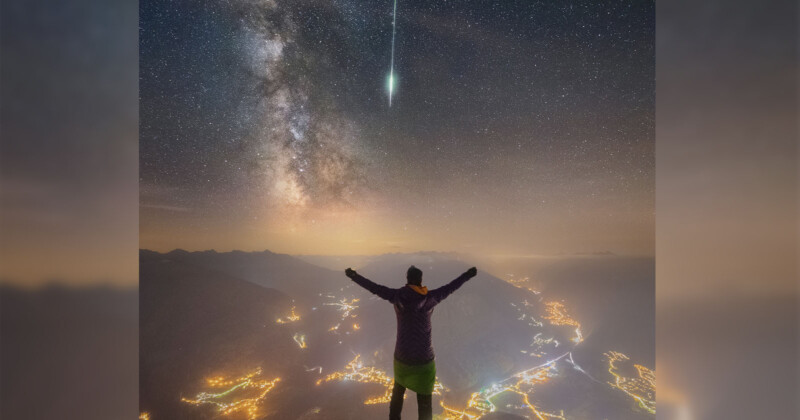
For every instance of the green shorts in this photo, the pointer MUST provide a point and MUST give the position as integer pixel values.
(418, 378)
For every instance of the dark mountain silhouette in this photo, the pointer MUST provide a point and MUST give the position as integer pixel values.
(196, 322)
(278, 271)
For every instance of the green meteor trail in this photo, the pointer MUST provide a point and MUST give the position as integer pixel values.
(391, 82)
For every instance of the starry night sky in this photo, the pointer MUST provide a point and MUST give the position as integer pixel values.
(516, 128)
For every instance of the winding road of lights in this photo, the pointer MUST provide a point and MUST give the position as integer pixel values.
(300, 339)
(522, 384)
(231, 396)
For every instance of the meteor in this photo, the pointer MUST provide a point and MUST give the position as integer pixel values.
(391, 82)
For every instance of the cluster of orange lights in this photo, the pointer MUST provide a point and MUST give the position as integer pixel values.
(557, 315)
(522, 283)
(346, 307)
(300, 339)
(292, 317)
(244, 394)
(641, 387)
(356, 371)
(521, 384)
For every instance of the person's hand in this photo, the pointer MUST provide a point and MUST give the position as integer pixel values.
(472, 272)
(350, 272)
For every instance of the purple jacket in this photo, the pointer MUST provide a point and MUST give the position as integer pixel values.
(413, 311)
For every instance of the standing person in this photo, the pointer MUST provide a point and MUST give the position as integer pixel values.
(414, 366)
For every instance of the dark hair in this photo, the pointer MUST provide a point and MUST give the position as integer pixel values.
(414, 276)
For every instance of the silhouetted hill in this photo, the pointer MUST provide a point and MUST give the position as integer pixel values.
(196, 322)
(278, 271)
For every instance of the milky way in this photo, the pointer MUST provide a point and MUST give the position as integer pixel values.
(307, 152)
(521, 127)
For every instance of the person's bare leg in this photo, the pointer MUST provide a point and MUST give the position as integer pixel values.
(425, 406)
(396, 405)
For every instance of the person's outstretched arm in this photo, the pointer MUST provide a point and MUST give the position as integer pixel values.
(439, 294)
(382, 292)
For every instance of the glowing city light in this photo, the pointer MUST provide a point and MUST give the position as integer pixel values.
(346, 306)
(522, 284)
(538, 343)
(240, 395)
(557, 315)
(300, 339)
(244, 396)
(311, 369)
(356, 371)
(522, 384)
(292, 317)
(642, 388)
